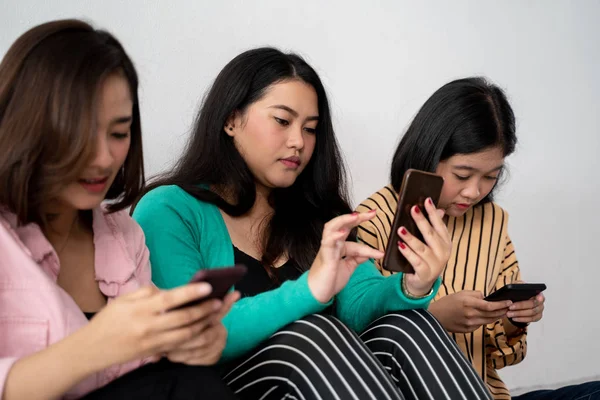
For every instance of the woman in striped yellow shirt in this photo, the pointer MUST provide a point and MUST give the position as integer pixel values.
(464, 132)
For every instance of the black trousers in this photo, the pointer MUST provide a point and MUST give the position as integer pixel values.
(403, 355)
(165, 380)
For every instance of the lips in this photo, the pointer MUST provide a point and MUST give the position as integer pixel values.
(94, 185)
(464, 206)
(291, 162)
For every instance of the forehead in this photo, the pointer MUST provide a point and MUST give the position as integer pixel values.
(114, 99)
(295, 94)
(485, 160)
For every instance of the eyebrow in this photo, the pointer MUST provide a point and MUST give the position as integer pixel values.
(294, 112)
(473, 169)
(121, 120)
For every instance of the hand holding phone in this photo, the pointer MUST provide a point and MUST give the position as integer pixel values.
(528, 301)
(221, 280)
(417, 186)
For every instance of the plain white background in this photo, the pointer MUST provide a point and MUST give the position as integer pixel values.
(380, 60)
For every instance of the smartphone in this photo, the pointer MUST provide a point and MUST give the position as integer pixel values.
(221, 280)
(416, 187)
(517, 292)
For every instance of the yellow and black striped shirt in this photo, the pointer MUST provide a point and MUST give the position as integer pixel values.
(482, 259)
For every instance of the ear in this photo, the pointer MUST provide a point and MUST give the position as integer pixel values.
(231, 123)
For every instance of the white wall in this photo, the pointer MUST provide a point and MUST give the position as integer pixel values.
(380, 60)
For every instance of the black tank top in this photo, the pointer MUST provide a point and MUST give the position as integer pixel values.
(257, 279)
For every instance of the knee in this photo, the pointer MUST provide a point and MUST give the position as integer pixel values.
(407, 328)
(418, 319)
(312, 330)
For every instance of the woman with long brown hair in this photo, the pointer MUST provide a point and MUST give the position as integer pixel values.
(70, 136)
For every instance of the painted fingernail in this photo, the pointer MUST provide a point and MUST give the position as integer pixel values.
(354, 214)
(402, 245)
(372, 211)
(417, 210)
(430, 201)
(403, 231)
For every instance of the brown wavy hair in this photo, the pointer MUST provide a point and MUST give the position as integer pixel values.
(50, 80)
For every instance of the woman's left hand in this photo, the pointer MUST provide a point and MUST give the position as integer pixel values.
(527, 311)
(430, 258)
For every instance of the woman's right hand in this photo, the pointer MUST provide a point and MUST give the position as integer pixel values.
(337, 258)
(145, 323)
(466, 311)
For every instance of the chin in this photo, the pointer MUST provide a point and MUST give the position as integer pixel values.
(282, 182)
(85, 202)
(453, 212)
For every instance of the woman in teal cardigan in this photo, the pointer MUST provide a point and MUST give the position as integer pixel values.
(262, 183)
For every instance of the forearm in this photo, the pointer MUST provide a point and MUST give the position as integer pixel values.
(253, 319)
(369, 295)
(437, 310)
(50, 373)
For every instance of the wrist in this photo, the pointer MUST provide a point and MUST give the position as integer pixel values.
(87, 351)
(313, 287)
(414, 293)
(519, 325)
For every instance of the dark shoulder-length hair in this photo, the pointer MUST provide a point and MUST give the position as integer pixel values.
(50, 80)
(462, 117)
(211, 158)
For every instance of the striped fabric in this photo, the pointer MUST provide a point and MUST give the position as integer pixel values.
(402, 355)
(483, 258)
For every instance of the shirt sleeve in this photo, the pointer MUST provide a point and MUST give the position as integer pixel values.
(501, 349)
(370, 295)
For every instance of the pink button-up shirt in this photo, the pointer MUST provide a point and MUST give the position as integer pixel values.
(35, 312)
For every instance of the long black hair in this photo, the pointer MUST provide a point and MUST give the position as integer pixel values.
(462, 117)
(211, 158)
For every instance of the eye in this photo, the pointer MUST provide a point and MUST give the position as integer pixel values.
(462, 178)
(491, 178)
(282, 122)
(120, 136)
(311, 130)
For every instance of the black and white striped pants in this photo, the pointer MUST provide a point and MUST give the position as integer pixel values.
(403, 355)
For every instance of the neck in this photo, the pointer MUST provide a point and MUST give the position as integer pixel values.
(61, 223)
(259, 210)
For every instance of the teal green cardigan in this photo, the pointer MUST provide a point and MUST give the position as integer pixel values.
(184, 234)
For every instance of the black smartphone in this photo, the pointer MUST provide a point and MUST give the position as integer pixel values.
(416, 187)
(221, 280)
(517, 292)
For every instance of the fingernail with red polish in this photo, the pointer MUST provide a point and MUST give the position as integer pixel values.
(430, 201)
(354, 213)
(403, 231)
(402, 245)
(417, 210)
(373, 211)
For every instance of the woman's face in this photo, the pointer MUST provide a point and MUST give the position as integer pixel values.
(114, 117)
(468, 179)
(276, 134)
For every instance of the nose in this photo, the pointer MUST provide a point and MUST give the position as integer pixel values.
(103, 158)
(296, 139)
(472, 191)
